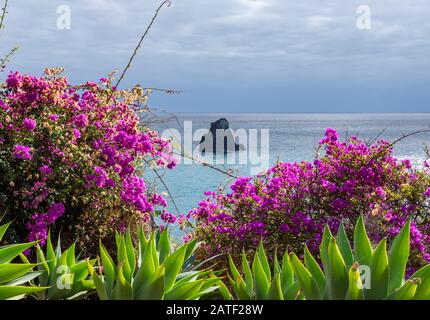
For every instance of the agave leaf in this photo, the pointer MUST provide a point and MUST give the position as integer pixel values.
(314, 269)
(108, 266)
(163, 245)
(122, 289)
(379, 273)
(355, 285)
(287, 274)
(261, 282)
(11, 271)
(406, 292)
(42, 265)
(9, 292)
(327, 236)
(263, 260)
(51, 260)
(249, 279)
(3, 229)
(155, 288)
(24, 279)
(98, 283)
(10, 252)
(344, 246)
(234, 272)
(80, 269)
(130, 252)
(225, 293)
(398, 258)
(291, 293)
(173, 264)
(275, 291)
(71, 259)
(362, 246)
(184, 291)
(123, 258)
(423, 289)
(307, 282)
(337, 275)
(191, 247)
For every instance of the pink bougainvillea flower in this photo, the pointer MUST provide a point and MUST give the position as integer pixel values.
(29, 124)
(22, 152)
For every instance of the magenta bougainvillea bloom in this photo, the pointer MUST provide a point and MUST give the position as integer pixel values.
(22, 152)
(46, 170)
(29, 124)
(84, 158)
(289, 205)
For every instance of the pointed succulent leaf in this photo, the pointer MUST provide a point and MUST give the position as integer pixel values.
(362, 246)
(398, 258)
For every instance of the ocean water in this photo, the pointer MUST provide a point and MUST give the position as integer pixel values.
(292, 137)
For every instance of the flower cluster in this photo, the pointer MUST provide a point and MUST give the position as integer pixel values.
(289, 205)
(71, 154)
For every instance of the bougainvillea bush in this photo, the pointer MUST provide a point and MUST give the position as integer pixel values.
(289, 205)
(71, 158)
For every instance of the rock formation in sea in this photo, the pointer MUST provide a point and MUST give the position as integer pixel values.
(220, 129)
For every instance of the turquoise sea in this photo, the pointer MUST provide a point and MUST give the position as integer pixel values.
(292, 137)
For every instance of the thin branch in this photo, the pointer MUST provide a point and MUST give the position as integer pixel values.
(3, 14)
(168, 91)
(397, 141)
(164, 184)
(6, 59)
(166, 2)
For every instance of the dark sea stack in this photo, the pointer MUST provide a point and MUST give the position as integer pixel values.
(222, 127)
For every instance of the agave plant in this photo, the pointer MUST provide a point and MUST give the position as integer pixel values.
(258, 282)
(155, 273)
(13, 276)
(362, 273)
(66, 277)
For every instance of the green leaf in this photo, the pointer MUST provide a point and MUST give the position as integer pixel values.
(123, 258)
(108, 266)
(423, 289)
(379, 273)
(275, 291)
(122, 289)
(362, 246)
(327, 236)
(398, 258)
(406, 292)
(261, 282)
(130, 252)
(184, 291)
(154, 290)
(287, 274)
(9, 292)
(71, 255)
(355, 285)
(225, 293)
(191, 246)
(9, 252)
(51, 259)
(11, 271)
(344, 246)
(163, 245)
(337, 275)
(263, 260)
(314, 269)
(307, 282)
(173, 264)
(291, 292)
(249, 279)
(3, 229)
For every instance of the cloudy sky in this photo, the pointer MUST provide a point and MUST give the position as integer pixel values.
(239, 55)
